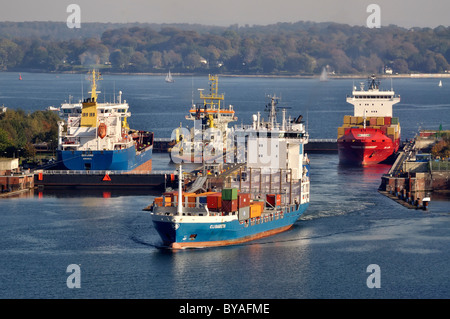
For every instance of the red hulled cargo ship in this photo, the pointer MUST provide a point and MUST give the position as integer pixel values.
(371, 135)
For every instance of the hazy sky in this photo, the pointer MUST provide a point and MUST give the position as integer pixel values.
(406, 13)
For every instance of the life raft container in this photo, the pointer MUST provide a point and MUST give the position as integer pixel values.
(102, 130)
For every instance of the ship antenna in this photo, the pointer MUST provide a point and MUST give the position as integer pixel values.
(192, 89)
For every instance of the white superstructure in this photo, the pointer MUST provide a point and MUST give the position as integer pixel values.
(373, 102)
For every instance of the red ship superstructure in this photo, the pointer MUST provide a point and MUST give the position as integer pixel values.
(371, 135)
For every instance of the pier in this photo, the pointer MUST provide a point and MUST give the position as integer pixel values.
(105, 179)
(414, 176)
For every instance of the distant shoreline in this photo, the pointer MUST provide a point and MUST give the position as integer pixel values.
(299, 76)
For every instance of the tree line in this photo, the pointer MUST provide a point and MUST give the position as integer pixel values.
(20, 131)
(304, 48)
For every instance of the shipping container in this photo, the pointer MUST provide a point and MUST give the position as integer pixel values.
(387, 121)
(202, 199)
(214, 201)
(191, 200)
(255, 211)
(243, 200)
(353, 120)
(229, 205)
(341, 131)
(260, 203)
(373, 121)
(347, 119)
(394, 120)
(273, 200)
(390, 130)
(360, 120)
(158, 201)
(244, 213)
(380, 121)
(384, 129)
(229, 193)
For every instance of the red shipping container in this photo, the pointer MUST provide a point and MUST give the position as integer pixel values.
(373, 121)
(384, 129)
(387, 121)
(230, 205)
(273, 199)
(214, 201)
(243, 200)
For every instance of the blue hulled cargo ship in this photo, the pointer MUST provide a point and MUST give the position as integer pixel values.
(96, 136)
(265, 194)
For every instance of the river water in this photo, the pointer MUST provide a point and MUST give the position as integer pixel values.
(347, 227)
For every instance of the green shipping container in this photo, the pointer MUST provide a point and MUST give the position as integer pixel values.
(394, 120)
(229, 193)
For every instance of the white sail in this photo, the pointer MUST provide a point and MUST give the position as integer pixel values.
(169, 78)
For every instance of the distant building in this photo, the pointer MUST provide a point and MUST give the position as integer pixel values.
(9, 165)
(11, 179)
(387, 70)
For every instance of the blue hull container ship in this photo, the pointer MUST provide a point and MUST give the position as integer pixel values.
(265, 193)
(96, 136)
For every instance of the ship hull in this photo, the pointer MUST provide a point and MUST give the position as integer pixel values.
(366, 146)
(217, 231)
(124, 160)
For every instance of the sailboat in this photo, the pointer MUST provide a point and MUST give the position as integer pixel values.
(440, 84)
(169, 78)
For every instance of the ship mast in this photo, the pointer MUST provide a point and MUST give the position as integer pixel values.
(213, 98)
(180, 191)
(89, 108)
(94, 78)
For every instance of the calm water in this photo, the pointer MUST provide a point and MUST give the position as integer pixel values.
(160, 107)
(348, 226)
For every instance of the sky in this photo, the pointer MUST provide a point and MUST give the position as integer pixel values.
(404, 13)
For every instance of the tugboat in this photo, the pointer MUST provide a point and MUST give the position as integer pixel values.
(96, 136)
(372, 134)
(263, 192)
(207, 139)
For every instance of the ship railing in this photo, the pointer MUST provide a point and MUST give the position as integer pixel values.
(106, 172)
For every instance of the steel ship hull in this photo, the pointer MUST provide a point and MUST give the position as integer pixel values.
(366, 146)
(179, 232)
(124, 160)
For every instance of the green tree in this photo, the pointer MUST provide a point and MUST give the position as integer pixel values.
(10, 54)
